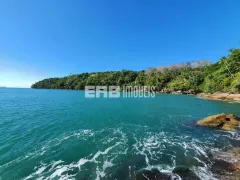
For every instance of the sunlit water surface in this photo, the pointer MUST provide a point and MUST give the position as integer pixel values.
(52, 134)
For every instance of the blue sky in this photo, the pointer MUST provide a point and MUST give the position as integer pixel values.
(52, 38)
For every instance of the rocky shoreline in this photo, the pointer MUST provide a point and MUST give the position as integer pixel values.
(169, 91)
(226, 163)
(212, 96)
(220, 96)
(228, 122)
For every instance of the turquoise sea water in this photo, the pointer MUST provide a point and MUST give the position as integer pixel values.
(52, 134)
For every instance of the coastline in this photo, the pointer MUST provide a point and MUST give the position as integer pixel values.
(220, 96)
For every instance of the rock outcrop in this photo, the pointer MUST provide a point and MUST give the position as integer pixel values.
(179, 172)
(220, 96)
(227, 164)
(227, 122)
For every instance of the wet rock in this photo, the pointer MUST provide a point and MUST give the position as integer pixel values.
(152, 175)
(227, 122)
(235, 154)
(230, 176)
(179, 172)
(227, 164)
(192, 91)
(185, 173)
(165, 90)
(220, 96)
(236, 166)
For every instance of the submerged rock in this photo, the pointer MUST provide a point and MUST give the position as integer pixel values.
(227, 122)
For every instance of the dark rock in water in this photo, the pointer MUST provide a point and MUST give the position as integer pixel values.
(231, 176)
(128, 167)
(153, 175)
(227, 122)
(227, 164)
(185, 173)
(222, 162)
(180, 172)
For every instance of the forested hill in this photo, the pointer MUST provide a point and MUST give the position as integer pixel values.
(223, 76)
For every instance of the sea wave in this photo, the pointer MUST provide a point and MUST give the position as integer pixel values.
(163, 151)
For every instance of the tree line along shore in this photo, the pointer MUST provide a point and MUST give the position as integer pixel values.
(185, 78)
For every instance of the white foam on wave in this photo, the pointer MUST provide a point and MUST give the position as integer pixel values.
(205, 165)
(81, 162)
(55, 163)
(59, 169)
(40, 170)
(100, 174)
(58, 172)
(145, 176)
(150, 146)
(165, 169)
(199, 150)
(47, 146)
(103, 152)
(203, 173)
(107, 164)
(137, 147)
(229, 134)
(153, 146)
(156, 145)
(85, 133)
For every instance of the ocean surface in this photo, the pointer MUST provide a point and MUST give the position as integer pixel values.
(53, 134)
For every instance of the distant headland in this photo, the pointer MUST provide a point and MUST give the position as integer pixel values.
(189, 77)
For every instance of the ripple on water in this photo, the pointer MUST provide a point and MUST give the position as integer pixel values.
(74, 138)
(159, 151)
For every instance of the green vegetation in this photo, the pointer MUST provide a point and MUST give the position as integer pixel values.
(200, 76)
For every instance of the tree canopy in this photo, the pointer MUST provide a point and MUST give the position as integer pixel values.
(223, 76)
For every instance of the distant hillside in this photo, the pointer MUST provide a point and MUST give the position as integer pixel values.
(201, 76)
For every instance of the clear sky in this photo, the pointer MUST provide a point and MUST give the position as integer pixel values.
(52, 38)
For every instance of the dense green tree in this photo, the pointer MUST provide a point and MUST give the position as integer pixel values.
(203, 76)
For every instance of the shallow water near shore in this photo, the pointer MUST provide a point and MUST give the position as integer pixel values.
(53, 134)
